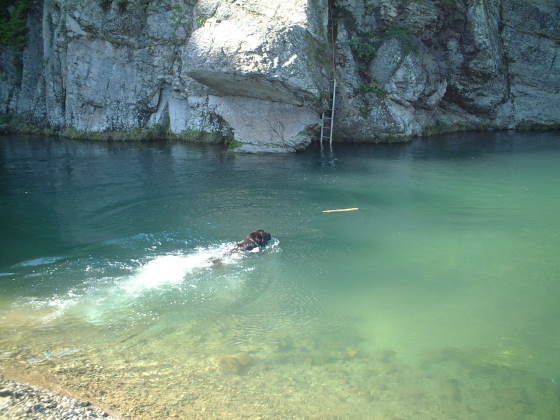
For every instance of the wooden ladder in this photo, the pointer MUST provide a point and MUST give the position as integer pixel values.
(327, 118)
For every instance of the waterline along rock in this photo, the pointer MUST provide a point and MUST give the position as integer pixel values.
(256, 73)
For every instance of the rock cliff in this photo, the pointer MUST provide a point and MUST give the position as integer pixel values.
(256, 73)
(419, 67)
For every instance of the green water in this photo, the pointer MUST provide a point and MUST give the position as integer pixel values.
(438, 299)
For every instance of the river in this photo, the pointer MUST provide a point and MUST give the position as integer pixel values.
(437, 299)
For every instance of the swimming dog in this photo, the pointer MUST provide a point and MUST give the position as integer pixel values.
(259, 238)
(256, 239)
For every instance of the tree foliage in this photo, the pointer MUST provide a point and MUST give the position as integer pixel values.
(13, 23)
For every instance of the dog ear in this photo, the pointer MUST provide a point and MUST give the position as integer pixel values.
(260, 234)
(254, 236)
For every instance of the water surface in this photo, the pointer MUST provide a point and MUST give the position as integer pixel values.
(437, 299)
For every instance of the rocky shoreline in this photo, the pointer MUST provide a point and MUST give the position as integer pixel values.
(258, 75)
(21, 401)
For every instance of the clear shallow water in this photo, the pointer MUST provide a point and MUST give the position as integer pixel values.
(437, 299)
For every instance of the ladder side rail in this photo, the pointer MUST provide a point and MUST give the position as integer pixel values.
(322, 126)
(332, 109)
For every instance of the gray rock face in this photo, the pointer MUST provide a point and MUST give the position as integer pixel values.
(531, 37)
(247, 70)
(447, 65)
(266, 126)
(258, 71)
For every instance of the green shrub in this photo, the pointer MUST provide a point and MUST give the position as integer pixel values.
(448, 4)
(374, 87)
(201, 20)
(177, 15)
(13, 23)
(365, 109)
(404, 36)
(363, 50)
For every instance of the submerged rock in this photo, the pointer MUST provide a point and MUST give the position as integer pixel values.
(450, 390)
(236, 364)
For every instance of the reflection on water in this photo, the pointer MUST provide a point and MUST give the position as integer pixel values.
(438, 299)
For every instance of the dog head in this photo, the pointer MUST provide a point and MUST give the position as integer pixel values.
(260, 237)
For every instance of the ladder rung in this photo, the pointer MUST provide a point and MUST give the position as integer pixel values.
(327, 117)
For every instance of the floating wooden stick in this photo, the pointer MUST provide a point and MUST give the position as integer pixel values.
(340, 210)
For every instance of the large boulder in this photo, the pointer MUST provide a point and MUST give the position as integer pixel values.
(266, 72)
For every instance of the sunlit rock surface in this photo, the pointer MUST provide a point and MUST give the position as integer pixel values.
(256, 73)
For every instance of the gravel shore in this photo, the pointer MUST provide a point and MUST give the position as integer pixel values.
(20, 401)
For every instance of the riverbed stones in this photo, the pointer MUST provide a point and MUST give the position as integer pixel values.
(20, 401)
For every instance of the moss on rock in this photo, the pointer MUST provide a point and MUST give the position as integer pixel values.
(233, 144)
(316, 52)
(534, 126)
(377, 139)
(196, 136)
(15, 124)
(137, 134)
(148, 134)
(442, 128)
